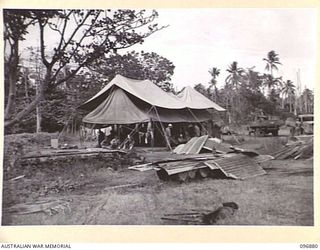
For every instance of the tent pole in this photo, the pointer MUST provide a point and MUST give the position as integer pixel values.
(152, 134)
(163, 131)
(80, 136)
(64, 127)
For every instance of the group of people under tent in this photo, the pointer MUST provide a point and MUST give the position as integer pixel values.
(126, 136)
(147, 134)
(174, 139)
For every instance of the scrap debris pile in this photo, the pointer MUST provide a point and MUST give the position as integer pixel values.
(299, 148)
(58, 161)
(46, 206)
(203, 217)
(203, 157)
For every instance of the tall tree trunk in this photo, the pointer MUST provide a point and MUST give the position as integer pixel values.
(24, 112)
(26, 84)
(215, 93)
(282, 102)
(11, 97)
(290, 103)
(38, 119)
(12, 71)
(38, 109)
(305, 99)
(38, 98)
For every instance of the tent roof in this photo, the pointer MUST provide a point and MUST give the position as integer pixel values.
(143, 89)
(196, 100)
(150, 93)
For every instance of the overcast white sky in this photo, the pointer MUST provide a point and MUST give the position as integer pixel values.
(199, 39)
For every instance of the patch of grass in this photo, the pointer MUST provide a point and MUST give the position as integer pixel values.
(272, 199)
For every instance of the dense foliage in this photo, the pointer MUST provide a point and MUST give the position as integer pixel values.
(45, 84)
(247, 92)
(78, 39)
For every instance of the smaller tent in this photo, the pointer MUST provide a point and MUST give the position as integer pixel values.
(196, 100)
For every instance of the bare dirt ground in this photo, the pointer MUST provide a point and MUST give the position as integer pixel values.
(95, 193)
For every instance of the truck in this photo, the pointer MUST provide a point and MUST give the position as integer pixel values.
(305, 123)
(301, 124)
(264, 125)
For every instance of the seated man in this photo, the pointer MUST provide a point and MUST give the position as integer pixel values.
(181, 139)
(115, 142)
(129, 143)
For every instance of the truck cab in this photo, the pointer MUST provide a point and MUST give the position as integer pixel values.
(305, 123)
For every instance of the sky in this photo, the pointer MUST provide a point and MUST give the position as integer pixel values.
(199, 39)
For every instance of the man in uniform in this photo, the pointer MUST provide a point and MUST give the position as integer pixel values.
(197, 132)
(168, 135)
(101, 137)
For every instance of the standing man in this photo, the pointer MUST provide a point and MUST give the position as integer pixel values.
(101, 137)
(196, 129)
(168, 135)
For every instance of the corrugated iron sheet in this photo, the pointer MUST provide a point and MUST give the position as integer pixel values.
(181, 166)
(179, 149)
(188, 145)
(198, 144)
(237, 166)
(193, 146)
(262, 158)
(212, 143)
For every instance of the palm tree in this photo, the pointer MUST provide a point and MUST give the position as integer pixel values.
(253, 79)
(233, 82)
(235, 76)
(272, 61)
(288, 90)
(214, 72)
(270, 82)
(307, 97)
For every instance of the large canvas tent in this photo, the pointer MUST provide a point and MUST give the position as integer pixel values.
(128, 101)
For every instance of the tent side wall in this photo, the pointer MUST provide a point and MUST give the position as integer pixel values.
(117, 108)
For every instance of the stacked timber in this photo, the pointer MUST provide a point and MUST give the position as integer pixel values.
(301, 149)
